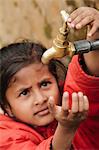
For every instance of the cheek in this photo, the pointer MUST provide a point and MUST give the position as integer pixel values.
(56, 95)
(58, 98)
(21, 109)
(10, 96)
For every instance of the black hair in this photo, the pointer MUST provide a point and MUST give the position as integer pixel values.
(18, 55)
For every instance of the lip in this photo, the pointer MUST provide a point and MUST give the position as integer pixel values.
(42, 112)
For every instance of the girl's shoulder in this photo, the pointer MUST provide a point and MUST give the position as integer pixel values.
(10, 129)
(16, 135)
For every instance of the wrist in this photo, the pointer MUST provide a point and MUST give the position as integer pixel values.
(67, 128)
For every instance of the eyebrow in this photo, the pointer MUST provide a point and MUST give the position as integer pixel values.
(29, 87)
(45, 79)
(22, 89)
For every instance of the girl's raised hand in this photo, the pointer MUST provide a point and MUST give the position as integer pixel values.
(66, 117)
(85, 16)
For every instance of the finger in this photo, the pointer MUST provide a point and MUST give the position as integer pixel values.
(65, 101)
(74, 107)
(83, 22)
(86, 103)
(74, 14)
(81, 101)
(93, 30)
(78, 19)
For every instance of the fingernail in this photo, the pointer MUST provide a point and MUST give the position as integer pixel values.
(78, 26)
(74, 94)
(66, 94)
(69, 20)
(80, 93)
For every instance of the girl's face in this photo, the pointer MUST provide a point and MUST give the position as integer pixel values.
(28, 94)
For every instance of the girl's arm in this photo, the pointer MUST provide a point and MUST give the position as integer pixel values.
(68, 119)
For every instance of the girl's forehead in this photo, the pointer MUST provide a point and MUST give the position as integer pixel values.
(35, 71)
(31, 76)
(33, 68)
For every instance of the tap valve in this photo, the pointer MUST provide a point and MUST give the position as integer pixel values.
(60, 43)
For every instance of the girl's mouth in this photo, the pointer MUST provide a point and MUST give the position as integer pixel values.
(42, 112)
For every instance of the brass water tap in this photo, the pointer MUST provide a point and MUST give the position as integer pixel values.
(61, 46)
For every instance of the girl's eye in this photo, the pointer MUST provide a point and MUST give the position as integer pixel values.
(45, 84)
(24, 92)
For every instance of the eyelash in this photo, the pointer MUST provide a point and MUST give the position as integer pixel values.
(42, 84)
(45, 82)
(26, 91)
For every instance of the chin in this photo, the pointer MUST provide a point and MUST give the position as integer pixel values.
(45, 121)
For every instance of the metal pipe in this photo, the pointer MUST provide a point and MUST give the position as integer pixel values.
(85, 46)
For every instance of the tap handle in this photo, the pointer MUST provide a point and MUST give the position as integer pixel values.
(64, 15)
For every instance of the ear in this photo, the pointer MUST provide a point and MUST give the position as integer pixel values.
(9, 111)
(1, 111)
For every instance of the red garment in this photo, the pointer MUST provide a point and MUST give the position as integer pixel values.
(87, 136)
(18, 136)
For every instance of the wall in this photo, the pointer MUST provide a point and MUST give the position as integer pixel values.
(37, 20)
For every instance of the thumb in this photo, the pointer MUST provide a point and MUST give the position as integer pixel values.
(51, 105)
(92, 31)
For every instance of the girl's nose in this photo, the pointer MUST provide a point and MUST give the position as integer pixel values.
(40, 98)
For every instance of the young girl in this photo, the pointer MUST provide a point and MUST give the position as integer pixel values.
(30, 96)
